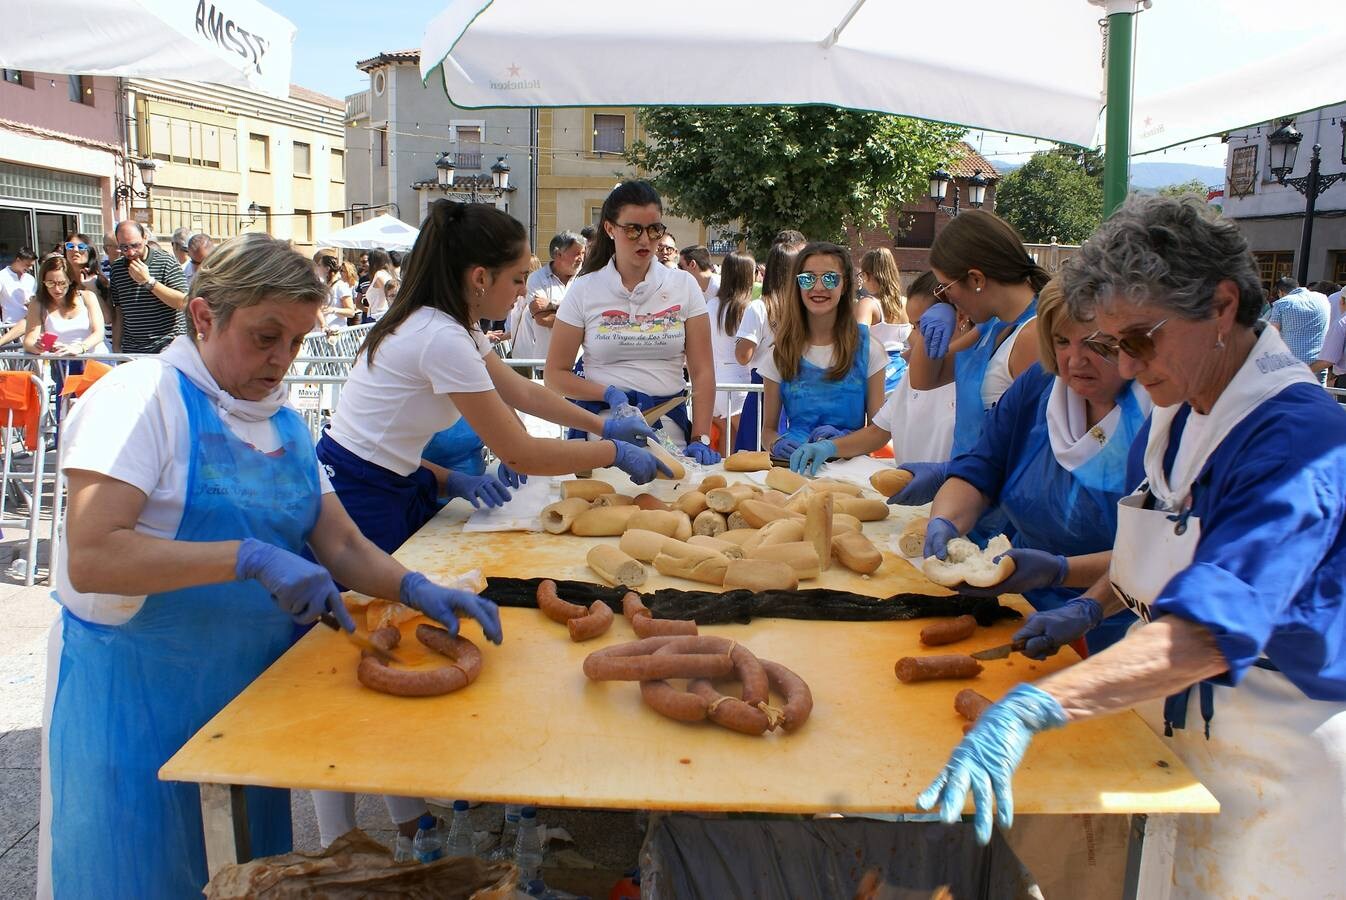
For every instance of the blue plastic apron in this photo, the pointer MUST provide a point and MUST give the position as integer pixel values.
(643, 402)
(1071, 513)
(970, 367)
(809, 399)
(129, 696)
(747, 418)
(387, 507)
(457, 447)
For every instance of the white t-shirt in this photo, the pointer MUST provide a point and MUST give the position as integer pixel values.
(377, 295)
(712, 287)
(634, 339)
(821, 356)
(921, 422)
(15, 292)
(387, 413)
(755, 327)
(337, 296)
(132, 426)
(727, 367)
(529, 339)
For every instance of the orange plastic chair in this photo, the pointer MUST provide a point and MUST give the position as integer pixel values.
(78, 384)
(18, 394)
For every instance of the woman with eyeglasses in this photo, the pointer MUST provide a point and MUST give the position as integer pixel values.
(640, 325)
(826, 371)
(1053, 457)
(64, 319)
(986, 274)
(1232, 553)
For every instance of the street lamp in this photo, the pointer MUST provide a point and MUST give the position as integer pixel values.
(444, 170)
(939, 184)
(976, 189)
(500, 176)
(147, 168)
(253, 212)
(1284, 148)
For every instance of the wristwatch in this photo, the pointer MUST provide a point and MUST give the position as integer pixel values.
(149, 285)
(700, 439)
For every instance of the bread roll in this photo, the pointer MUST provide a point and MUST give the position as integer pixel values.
(832, 486)
(668, 459)
(649, 501)
(613, 500)
(912, 539)
(709, 571)
(780, 531)
(711, 482)
(756, 513)
(845, 522)
(642, 544)
(818, 527)
(736, 522)
(664, 521)
(614, 566)
(558, 517)
(969, 564)
(726, 499)
(684, 527)
(799, 500)
(866, 509)
(760, 575)
(602, 521)
(748, 461)
(693, 503)
(709, 522)
(799, 555)
(774, 497)
(889, 481)
(855, 552)
(784, 480)
(587, 488)
(725, 548)
(738, 535)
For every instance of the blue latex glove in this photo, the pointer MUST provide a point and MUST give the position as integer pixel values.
(938, 532)
(639, 463)
(614, 397)
(1033, 569)
(937, 328)
(509, 477)
(476, 489)
(987, 757)
(824, 432)
(303, 589)
(784, 447)
(809, 458)
(444, 605)
(928, 479)
(632, 429)
(702, 453)
(1046, 632)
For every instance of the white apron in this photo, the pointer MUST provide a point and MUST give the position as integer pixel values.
(1275, 759)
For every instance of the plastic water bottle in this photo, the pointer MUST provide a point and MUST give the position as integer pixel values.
(460, 832)
(402, 851)
(528, 846)
(509, 834)
(427, 845)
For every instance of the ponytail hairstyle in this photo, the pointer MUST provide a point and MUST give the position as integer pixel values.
(628, 193)
(981, 240)
(379, 261)
(737, 277)
(780, 262)
(792, 332)
(455, 238)
(349, 274)
(879, 265)
(332, 266)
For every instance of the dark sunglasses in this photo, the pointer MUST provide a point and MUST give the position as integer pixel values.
(1139, 345)
(634, 231)
(808, 279)
(939, 290)
(71, 245)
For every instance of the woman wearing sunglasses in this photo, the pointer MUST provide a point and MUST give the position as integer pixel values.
(1053, 457)
(986, 274)
(639, 324)
(1233, 554)
(826, 370)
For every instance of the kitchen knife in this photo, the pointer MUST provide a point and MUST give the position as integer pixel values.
(358, 639)
(1002, 651)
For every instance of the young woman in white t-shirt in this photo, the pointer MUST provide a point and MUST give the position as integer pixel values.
(639, 324)
(826, 371)
(727, 309)
(340, 305)
(380, 273)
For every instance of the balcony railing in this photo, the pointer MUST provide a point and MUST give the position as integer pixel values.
(467, 159)
(357, 105)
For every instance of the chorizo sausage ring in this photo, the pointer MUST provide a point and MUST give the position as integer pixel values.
(729, 712)
(634, 661)
(747, 668)
(596, 622)
(667, 700)
(375, 674)
(553, 607)
(798, 697)
(646, 625)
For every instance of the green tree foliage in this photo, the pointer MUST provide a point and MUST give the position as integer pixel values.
(1195, 186)
(1053, 195)
(752, 171)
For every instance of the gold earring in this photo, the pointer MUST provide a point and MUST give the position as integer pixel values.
(1219, 342)
(481, 292)
(200, 336)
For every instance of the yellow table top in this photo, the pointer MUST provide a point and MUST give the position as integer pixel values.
(533, 729)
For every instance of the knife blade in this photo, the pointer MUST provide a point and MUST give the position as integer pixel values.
(655, 413)
(1002, 651)
(358, 639)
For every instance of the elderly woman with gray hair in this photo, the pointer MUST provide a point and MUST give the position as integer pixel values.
(1233, 554)
(193, 492)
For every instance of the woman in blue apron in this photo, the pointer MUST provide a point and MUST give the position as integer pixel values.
(193, 490)
(643, 327)
(825, 375)
(426, 364)
(1232, 553)
(986, 274)
(1053, 457)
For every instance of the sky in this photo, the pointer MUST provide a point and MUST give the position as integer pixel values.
(332, 37)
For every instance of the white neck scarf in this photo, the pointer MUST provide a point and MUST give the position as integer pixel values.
(1269, 369)
(1073, 441)
(183, 356)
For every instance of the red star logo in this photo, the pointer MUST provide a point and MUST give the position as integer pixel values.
(513, 70)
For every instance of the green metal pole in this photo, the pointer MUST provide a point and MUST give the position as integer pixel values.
(1117, 126)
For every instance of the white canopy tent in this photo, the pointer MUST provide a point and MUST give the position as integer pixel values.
(238, 42)
(379, 233)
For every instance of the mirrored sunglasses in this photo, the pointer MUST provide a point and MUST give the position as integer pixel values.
(808, 279)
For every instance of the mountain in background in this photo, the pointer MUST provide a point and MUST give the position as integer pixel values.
(1151, 175)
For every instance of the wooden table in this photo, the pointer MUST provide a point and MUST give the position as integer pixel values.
(533, 730)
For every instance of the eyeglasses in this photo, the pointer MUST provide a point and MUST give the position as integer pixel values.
(633, 231)
(1137, 346)
(808, 279)
(135, 246)
(940, 289)
(71, 245)
(56, 285)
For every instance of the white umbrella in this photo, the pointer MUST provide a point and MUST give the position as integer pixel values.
(379, 233)
(238, 42)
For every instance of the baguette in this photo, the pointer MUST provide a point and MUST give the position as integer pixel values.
(798, 555)
(736, 522)
(603, 521)
(693, 503)
(845, 522)
(711, 482)
(738, 536)
(912, 539)
(558, 517)
(756, 513)
(646, 545)
(780, 531)
(889, 481)
(856, 552)
(784, 480)
(661, 453)
(818, 527)
(748, 461)
(760, 575)
(614, 566)
(664, 521)
(587, 488)
(866, 509)
(709, 522)
(832, 486)
(726, 499)
(613, 500)
(725, 548)
(709, 571)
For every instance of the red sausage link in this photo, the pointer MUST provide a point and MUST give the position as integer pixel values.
(911, 669)
(729, 712)
(377, 675)
(667, 700)
(948, 631)
(553, 607)
(597, 622)
(798, 697)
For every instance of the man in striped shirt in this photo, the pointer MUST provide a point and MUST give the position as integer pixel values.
(148, 294)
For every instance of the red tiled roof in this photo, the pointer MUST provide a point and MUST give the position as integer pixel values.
(969, 163)
(389, 57)
(302, 93)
